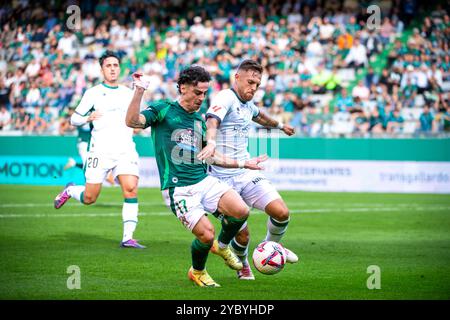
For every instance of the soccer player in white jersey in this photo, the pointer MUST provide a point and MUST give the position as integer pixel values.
(111, 146)
(228, 123)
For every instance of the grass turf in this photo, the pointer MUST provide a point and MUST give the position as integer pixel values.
(337, 236)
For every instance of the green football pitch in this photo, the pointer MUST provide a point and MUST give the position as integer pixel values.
(338, 236)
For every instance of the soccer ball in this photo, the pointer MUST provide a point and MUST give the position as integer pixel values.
(269, 257)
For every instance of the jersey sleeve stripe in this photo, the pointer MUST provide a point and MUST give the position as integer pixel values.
(210, 115)
(84, 115)
(259, 111)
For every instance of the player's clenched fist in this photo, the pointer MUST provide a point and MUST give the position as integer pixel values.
(139, 80)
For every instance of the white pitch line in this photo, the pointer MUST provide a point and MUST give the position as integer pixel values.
(45, 205)
(158, 204)
(168, 213)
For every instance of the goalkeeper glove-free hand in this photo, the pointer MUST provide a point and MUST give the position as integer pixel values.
(139, 80)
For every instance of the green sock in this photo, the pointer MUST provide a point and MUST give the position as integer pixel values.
(230, 227)
(199, 252)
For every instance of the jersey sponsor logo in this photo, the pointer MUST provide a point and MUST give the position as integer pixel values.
(186, 139)
(241, 131)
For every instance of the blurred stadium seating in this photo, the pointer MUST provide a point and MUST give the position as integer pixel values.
(325, 73)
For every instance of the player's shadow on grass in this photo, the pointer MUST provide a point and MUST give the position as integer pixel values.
(107, 205)
(86, 240)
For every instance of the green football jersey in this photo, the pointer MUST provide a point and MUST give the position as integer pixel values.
(177, 137)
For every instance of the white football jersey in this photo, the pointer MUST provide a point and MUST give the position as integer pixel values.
(235, 117)
(110, 134)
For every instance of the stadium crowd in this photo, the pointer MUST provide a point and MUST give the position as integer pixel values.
(327, 71)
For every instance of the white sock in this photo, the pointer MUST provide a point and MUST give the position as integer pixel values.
(130, 210)
(275, 229)
(240, 250)
(75, 192)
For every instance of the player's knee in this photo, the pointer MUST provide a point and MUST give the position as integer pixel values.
(242, 212)
(278, 210)
(130, 193)
(281, 214)
(206, 236)
(89, 199)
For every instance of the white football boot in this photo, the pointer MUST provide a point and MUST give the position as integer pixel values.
(290, 256)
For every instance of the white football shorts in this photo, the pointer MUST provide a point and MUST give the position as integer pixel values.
(97, 166)
(82, 150)
(254, 188)
(190, 203)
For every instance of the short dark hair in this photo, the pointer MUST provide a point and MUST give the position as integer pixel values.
(193, 75)
(249, 64)
(108, 54)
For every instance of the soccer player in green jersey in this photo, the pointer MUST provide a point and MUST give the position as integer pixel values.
(178, 132)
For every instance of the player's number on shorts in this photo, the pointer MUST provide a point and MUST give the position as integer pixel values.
(92, 162)
(180, 207)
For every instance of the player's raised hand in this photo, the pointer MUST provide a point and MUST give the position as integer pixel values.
(94, 116)
(207, 152)
(139, 80)
(289, 130)
(253, 163)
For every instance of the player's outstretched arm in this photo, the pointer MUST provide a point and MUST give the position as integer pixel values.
(211, 133)
(223, 161)
(266, 121)
(134, 119)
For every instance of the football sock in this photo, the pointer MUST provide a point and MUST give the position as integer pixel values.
(276, 229)
(130, 217)
(76, 192)
(230, 226)
(240, 250)
(199, 251)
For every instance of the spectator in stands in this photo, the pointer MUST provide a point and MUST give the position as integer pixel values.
(4, 94)
(371, 78)
(48, 120)
(409, 93)
(297, 42)
(426, 120)
(343, 101)
(377, 123)
(5, 118)
(361, 91)
(20, 118)
(357, 56)
(395, 122)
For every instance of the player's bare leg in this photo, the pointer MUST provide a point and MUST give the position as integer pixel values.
(91, 193)
(110, 178)
(130, 209)
(86, 194)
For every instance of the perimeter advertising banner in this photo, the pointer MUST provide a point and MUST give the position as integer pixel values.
(285, 174)
(342, 175)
